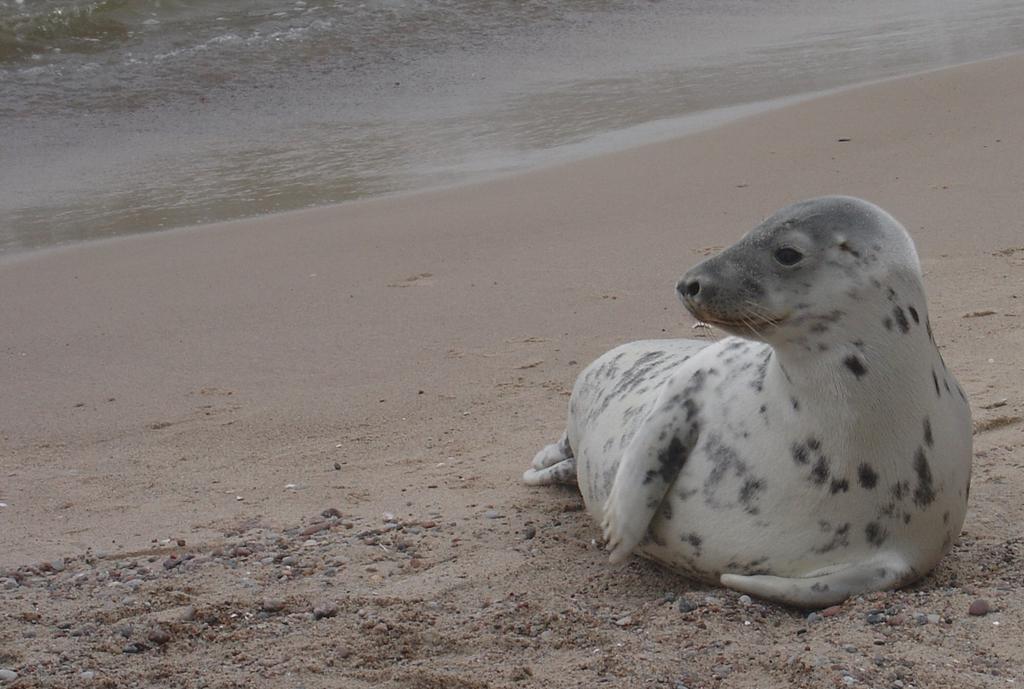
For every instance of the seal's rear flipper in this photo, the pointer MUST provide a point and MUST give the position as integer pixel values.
(562, 472)
(553, 464)
(828, 586)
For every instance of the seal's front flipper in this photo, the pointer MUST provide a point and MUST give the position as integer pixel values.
(826, 587)
(648, 468)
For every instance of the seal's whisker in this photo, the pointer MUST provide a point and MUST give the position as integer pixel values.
(761, 313)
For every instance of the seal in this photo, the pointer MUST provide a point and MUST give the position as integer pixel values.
(821, 451)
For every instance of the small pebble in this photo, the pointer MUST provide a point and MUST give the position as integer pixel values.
(528, 533)
(158, 635)
(7, 675)
(9, 583)
(134, 647)
(813, 617)
(745, 600)
(832, 611)
(875, 618)
(624, 621)
(87, 675)
(492, 514)
(272, 605)
(934, 619)
(978, 608)
(686, 605)
(325, 610)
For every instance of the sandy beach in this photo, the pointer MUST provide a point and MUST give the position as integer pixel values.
(286, 452)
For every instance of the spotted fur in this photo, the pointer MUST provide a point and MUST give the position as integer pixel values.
(830, 400)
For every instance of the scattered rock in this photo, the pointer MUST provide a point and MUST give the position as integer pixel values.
(172, 562)
(7, 675)
(9, 583)
(315, 528)
(978, 314)
(272, 605)
(624, 621)
(134, 647)
(87, 675)
(686, 605)
(978, 608)
(832, 611)
(875, 618)
(158, 635)
(492, 514)
(528, 533)
(745, 600)
(326, 609)
(995, 405)
(933, 619)
(331, 512)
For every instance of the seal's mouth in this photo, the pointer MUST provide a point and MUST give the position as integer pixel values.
(745, 324)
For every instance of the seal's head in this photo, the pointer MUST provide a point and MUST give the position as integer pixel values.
(801, 268)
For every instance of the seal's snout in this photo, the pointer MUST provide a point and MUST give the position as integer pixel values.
(688, 288)
(696, 289)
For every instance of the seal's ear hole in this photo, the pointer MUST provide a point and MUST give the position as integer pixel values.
(845, 246)
(788, 256)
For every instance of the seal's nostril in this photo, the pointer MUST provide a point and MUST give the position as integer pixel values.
(692, 288)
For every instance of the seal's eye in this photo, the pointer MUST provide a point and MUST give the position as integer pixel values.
(788, 256)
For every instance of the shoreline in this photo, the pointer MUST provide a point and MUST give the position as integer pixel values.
(648, 134)
(400, 360)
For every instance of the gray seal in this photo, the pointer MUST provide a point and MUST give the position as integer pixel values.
(820, 452)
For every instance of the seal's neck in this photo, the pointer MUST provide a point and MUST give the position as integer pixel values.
(876, 349)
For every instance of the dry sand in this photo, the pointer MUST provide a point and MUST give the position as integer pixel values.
(400, 360)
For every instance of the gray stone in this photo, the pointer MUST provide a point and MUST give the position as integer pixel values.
(7, 675)
(326, 609)
(686, 605)
(272, 605)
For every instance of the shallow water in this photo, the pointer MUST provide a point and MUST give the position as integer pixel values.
(135, 115)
